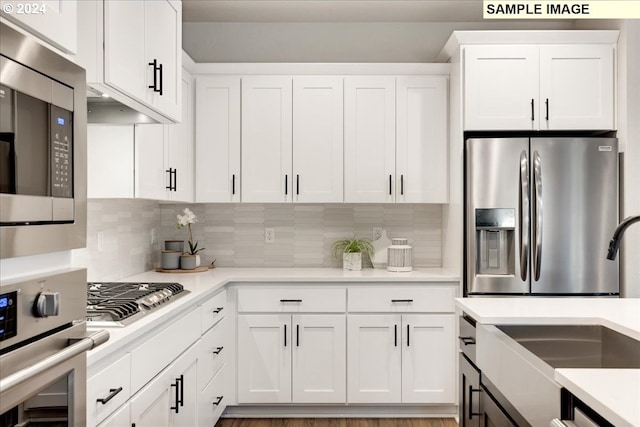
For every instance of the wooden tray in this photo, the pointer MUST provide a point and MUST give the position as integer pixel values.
(195, 270)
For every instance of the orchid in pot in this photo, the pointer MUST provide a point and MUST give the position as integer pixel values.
(185, 221)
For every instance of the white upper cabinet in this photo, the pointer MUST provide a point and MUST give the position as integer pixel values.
(539, 87)
(501, 87)
(576, 87)
(217, 139)
(422, 143)
(53, 21)
(318, 139)
(110, 159)
(266, 139)
(132, 51)
(180, 147)
(152, 176)
(369, 132)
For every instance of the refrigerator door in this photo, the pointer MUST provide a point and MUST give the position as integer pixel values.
(497, 216)
(574, 211)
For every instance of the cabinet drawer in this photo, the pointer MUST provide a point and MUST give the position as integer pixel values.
(292, 300)
(416, 299)
(104, 386)
(212, 352)
(212, 400)
(213, 310)
(156, 353)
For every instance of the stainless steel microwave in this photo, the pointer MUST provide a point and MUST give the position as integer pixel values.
(42, 148)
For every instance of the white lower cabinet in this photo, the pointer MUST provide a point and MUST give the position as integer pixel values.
(212, 401)
(286, 358)
(119, 418)
(401, 358)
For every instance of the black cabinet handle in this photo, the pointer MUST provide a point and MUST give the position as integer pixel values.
(408, 336)
(297, 185)
(389, 184)
(233, 184)
(395, 335)
(218, 401)
(402, 185)
(181, 390)
(218, 350)
(532, 113)
(175, 179)
(286, 185)
(297, 335)
(467, 340)
(170, 172)
(290, 300)
(546, 104)
(154, 86)
(177, 399)
(285, 335)
(218, 310)
(471, 391)
(402, 300)
(112, 393)
(161, 79)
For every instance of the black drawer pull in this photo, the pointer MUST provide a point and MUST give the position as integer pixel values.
(290, 300)
(112, 394)
(467, 340)
(402, 300)
(395, 335)
(218, 350)
(218, 310)
(218, 401)
(471, 391)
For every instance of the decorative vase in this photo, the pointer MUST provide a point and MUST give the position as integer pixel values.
(352, 261)
(197, 260)
(170, 260)
(379, 259)
(188, 262)
(174, 245)
(399, 255)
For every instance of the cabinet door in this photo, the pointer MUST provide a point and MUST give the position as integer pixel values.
(369, 138)
(120, 418)
(422, 175)
(151, 172)
(217, 139)
(266, 139)
(151, 406)
(264, 358)
(318, 139)
(501, 87)
(576, 87)
(374, 358)
(54, 21)
(163, 44)
(180, 147)
(186, 371)
(125, 67)
(428, 359)
(319, 358)
(110, 157)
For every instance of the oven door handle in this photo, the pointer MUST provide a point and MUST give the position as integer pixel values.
(85, 344)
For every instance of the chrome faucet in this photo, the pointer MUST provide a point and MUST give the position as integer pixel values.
(614, 244)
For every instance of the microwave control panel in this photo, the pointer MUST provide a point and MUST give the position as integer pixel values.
(61, 152)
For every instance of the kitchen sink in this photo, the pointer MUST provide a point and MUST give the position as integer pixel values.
(577, 346)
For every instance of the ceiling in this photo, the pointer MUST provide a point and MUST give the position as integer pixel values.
(333, 30)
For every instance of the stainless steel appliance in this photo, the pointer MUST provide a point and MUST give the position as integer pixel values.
(43, 346)
(539, 215)
(43, 115)
(117, 304)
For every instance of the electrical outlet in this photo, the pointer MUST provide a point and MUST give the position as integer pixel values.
(100, 238)
(269, 235)
(153, 239)
(377, 233)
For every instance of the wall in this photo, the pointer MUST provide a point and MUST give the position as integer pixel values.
(234, 233)
(125, 226)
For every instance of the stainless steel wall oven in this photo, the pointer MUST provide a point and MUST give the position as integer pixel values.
(43, 115)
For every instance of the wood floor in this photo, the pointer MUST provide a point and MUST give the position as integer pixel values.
(337, 422)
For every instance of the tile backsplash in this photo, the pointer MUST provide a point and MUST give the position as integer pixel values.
(233, 234)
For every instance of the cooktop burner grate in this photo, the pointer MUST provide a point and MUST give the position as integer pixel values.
(111, 303)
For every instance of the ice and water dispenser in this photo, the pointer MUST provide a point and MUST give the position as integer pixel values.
(495, 241)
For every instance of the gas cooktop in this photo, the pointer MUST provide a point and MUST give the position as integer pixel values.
(117, 304)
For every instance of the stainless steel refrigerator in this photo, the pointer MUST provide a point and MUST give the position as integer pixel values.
(539, 215)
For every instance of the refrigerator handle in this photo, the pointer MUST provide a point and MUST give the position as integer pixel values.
(537, 215)
(523, 218)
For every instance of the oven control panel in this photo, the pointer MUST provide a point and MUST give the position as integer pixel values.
(8, 315)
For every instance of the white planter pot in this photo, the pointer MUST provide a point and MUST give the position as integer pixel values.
(352, 261)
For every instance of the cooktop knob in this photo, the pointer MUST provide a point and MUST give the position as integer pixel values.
(47, 304)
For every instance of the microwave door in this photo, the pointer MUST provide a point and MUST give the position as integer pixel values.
(497, 216)
(7, 163)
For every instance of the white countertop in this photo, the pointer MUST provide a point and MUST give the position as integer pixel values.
(202, 285)
(613, 393)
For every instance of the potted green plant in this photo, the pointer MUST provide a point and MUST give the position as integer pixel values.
(350, 251)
